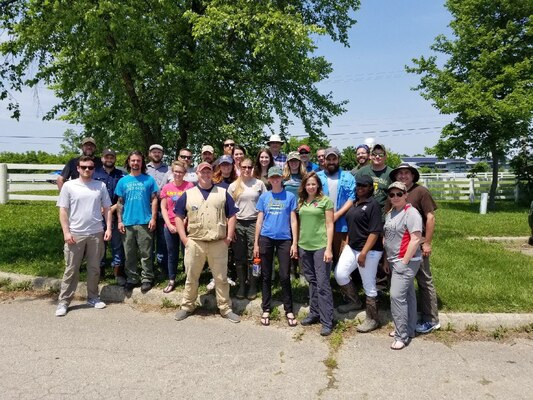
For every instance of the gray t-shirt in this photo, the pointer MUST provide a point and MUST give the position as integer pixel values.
(247, 200)
(398, 228)
(333, 184)
(84, 203)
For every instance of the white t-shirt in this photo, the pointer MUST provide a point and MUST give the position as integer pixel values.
(84, 203)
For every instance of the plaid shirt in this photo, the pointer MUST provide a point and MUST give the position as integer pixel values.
(280, 160)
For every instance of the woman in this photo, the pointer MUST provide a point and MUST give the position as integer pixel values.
(224, 173)
(238, 155)
(314, 246)
(403, 233)
(293, 173)
(245, 191)
(276, 230)
(263, 162)
(363, 251)
(170, 193)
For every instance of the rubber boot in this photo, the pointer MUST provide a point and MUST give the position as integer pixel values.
(350, 293)
(252, 290)
(241, 277)
(371, 321)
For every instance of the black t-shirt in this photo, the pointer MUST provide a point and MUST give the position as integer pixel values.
(363, 219)
(71, 168)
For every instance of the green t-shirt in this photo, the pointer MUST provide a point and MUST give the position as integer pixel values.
(312, 235)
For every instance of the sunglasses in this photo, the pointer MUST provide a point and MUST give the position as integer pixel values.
(378, 155)
(362, 185)
(246, 167)
(229, 144)
(304, 152)
(185, 157)
(89, 167)
(396, 194)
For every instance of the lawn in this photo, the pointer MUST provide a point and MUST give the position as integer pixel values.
(471, 276)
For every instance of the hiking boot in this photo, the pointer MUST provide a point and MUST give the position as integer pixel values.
(326, 331)
(182, 314)
(145, 287)
(232, 317)
(354, 303)
(371, 321)
(241, 277)
(96, 303)
(310, 321)
(61, 310)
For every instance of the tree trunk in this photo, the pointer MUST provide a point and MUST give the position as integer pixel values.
(494, 184)
(183, 133)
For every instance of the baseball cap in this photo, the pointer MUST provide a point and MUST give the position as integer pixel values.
(208, 148)
(332, 150)
(225, 159)
(397, 185)
(156, 147)
(380, 146)
(88, 140)
(275, 171)
(304, 147)
(364, 180)
(203, 165)
(293, 155)
(107, 152)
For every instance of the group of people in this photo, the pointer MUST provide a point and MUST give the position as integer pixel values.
(235, 211)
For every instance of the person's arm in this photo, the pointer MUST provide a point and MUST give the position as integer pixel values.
(63, 219)
(120, 210)
(180, 227)
(328, 253)
(108, 215)
(412, 247)
(370, 242)
(258, 226)
(294, 231)
(430, 228)
(153, 221)
(343, 210)
(60, 182)
(232, 221)
(166, 218)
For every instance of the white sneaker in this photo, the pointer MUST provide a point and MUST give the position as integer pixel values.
(211, 284)
(61, 310)
(231, 281)
(96, 303)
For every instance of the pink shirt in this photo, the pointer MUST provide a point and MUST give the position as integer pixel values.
(172, 193)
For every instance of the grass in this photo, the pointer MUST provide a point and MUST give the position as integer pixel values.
(470, 276)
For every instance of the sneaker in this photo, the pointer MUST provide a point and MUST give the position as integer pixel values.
(211, 284)
(325, 331)
(232, 317)
(310, 321)
(230, 281)
(427, 327)
(61, 310)
(182, 314)
(146, 286)
(96, 303)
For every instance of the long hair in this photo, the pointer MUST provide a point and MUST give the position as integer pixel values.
(257, 165)
(287, 170)
(302, 193)
(143, 163)
(217, 175)
(239, 186)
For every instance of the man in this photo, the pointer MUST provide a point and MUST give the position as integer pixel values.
(70, 171)
(210, 213)
(137, 218)
(274, 143)
(80, 213)
(420, 198)
(379, 171)
(110, 176)
(229, 145)
(304, 151)
(158, 170)
(362, 156)
(208, 154)
(321, 158)
(185, 155)
(339, 186)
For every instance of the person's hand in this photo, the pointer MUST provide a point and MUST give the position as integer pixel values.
(152, 225)
(228, 240)
(426, 249)
(294, 251)
(361, 260)
(172, 229)
(69, 239)
(256, 251)
(107, 235)
(386, 266)
(121, 227)
(328, 256)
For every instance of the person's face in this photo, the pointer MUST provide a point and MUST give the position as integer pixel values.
(225, 168)
(275, 147)
(135, 162)
(378, 158)
(332, 163)
(186, 157)
(275, 181)
(398, 198)
(86, 169)
(294, 165)
(363, 191)
(264, 159)
(246, 169)
(205, 176)
(238, 155)
(109, 160)
(304, 156)
(405, 176)
(178, 173)
(228, 147)
(362, 156)
(88, 149)
(156, 155)
(311, 186)
(321, 157)
(207, 157)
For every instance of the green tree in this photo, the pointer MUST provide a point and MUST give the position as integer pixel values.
(485, 80)
(178, 73)
(348, 160)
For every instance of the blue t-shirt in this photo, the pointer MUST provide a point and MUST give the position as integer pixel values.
(137, 193)
(276, 209)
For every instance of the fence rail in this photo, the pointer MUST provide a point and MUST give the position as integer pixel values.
(12, 181)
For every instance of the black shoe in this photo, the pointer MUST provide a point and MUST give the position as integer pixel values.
(130, 286)
(145, 287)
(310, 321)
(325, 331)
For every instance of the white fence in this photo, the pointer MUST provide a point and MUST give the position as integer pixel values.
(12, 182)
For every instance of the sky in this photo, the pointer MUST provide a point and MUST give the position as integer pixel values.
(370, 74)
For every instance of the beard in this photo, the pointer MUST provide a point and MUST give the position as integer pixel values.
(332, 168)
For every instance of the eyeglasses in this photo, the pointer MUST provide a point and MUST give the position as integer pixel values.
(229, 144)
(185, 157)
(178, 172)
(378, 155)
(246, 167)
(89, 167)
(395, 194)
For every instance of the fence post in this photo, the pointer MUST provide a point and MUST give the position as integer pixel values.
(3, 183)
(471, 193)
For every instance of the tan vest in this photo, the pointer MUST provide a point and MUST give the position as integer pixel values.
(206, 218)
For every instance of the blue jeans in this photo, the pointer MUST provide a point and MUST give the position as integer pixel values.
(173, 253)
(117, 249)
(160, 245)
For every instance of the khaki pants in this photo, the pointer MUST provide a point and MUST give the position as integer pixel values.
(216, 254)
(93, 247)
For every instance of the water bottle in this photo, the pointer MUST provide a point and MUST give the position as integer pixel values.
(256, 267)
